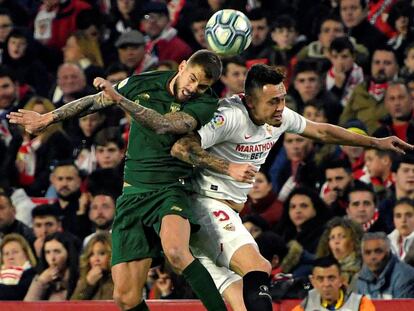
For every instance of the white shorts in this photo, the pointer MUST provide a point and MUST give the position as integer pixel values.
(221, 234)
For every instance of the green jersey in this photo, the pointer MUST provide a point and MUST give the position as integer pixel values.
(149, 164)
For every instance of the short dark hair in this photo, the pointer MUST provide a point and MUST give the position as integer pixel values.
(338, 163)
(115, 68)
(404, 200)
(317, 25)
(260, 75)
(232, 60)
(256, 14)
(363, 187)
(200, 15)
(6, 72)
(387, 48)
(407, 158)
(46, 210)
(326, 262)
(7, 195)
(18, 33)
(363, 3)
(284, 21)
(306, 65)
(210, 62)
(342, 43)
(66, 162)
(109, 135)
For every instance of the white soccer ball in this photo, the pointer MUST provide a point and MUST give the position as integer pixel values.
(228, 32)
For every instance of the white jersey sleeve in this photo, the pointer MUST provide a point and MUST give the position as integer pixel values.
(293, 121)
(222, 127)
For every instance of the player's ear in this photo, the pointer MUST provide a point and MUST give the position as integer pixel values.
(249, 101)
(182, 65)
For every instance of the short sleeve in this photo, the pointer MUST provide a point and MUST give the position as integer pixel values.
(202, 109)
(222, 127)
(126, 86)
(294, 122)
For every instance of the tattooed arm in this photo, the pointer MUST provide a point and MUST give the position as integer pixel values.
(189, 150)
(34, 122)
(174, 122)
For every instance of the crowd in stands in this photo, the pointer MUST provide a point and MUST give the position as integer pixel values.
(346, 62)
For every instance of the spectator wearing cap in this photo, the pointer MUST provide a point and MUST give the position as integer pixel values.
(403, 175)
(163, 40)
(132, 54)
(398, 121)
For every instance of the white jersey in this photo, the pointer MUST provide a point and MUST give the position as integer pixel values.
(232, 135)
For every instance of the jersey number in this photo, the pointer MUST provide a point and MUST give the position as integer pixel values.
(221, 215)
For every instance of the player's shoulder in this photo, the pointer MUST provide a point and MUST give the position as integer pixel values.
(147, 80)
(233, 105)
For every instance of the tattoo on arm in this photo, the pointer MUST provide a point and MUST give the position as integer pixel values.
(188, 149)
(81, 107)
(173, 123)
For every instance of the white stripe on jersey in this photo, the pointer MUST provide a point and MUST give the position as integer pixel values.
(232, 135)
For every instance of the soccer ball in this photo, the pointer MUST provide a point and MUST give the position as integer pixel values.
(228, 32)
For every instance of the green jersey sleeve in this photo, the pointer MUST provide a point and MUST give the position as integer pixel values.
(202, 109)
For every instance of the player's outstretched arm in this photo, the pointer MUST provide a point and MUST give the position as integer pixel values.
(172, 123)
(34, 122)
(189, 150)
(333, 134)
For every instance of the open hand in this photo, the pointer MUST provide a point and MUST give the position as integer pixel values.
(393, 143)
(32, 121)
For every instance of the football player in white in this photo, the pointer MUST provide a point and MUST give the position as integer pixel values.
(229, 150)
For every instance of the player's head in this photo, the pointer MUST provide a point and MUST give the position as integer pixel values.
(196, 75)
(265, 94)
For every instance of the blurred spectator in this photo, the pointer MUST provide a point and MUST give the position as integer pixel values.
(19, 57)
(46, 221)
(398, 121)
(101, 214)
(255, 224)
(164, 42)
(233, 76)
(354, 16)
(330, 292)
(95, 281)
(37, 153)
(342, 240)
(132, 54)
(314, 111)
(115, 73)
(304, 217)
(339, 180)
(6, 26)
(378, 164)
(124, 16)
(71, 84)
(366, 102)
(262, 200)
(260, 48)
(400, 20)
(286, 41)
(308, 86)
(344, 74)
(9, 223)
(83, 140)
(298, 168)
(84, 51)
(383, 276)
(56, 20)
(17, 267)
(363, 210)
(198, 23)
(58, 270)
(408, 68)
(402, 236)
(403, 175)
(285, 258)
(66, 180)
(110, 149)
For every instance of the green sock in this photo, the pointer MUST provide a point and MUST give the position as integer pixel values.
(140, 307)
(203, 285)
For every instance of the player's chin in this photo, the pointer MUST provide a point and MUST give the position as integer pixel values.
(275, 122)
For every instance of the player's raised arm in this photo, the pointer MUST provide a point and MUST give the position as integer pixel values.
(189, 150)
(34, 122)
(333, 134)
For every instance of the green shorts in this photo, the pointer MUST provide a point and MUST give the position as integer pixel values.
(137, 222)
